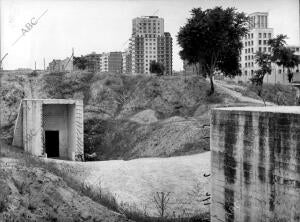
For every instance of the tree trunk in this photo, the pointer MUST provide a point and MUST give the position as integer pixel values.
(212, 88)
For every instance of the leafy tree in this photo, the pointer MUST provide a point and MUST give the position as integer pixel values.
(264, 62)
(283, 56)
(212, 37)
(288, 60)
(156, 67)
(80, 62)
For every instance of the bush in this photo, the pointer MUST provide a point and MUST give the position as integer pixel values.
(63, 85)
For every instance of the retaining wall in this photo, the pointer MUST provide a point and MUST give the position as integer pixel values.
(255, 164)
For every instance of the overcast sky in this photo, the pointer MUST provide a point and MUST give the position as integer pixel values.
(102, 26)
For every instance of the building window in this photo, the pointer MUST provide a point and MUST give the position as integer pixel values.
(245, 64)
(245, 57)
(265, 42)
(265, 35)
(259, 42)
(269, 35)
(259, 49)
(252, 50)
(245, 72)
(246, 43)
(259, 35)
(252, 36)
(265, 49)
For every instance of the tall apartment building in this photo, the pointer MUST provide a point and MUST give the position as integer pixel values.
(115, 62)
(104, 62)
(256, 40)
(149, 43)
(126, 62)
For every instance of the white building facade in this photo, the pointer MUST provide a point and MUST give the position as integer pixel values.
(257, 40)
(149, 43)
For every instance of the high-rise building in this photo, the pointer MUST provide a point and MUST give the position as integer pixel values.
(149, 43)
(256, 40)
(115, 62)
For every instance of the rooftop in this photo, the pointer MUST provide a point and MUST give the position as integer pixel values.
(267, 109)
(56, 101)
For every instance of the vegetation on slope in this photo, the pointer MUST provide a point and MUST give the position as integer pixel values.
(278, 93)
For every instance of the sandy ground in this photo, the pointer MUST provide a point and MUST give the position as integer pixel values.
(136, 181)
(30, 193)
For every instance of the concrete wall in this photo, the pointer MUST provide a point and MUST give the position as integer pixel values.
(37, 115)
(255, 164)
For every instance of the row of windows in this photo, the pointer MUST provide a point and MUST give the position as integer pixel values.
(252, 71)
(248, 43)
(249, 36)
(265, 42)
(260, 49)
(260, 35)
(150, 56)
(249, 64)
(150, 48)
(249, 50)
(249, 57)
(264, 49)
(264, 35)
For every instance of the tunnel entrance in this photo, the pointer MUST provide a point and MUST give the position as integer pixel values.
(52, 143)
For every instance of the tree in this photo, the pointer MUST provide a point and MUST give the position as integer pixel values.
(288, 60)
(264, 62)
(156, 67)
(80, 62)
(213, 38)
(283, 56)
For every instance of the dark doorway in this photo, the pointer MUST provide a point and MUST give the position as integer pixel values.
(52, 143)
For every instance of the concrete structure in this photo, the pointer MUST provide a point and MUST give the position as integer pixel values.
(126, 62)
(50, 127)
(115, 62)
(255, 164)
(58, 65)
(93, 62)
(149, 43)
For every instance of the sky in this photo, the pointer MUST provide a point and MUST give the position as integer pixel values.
(105, 25)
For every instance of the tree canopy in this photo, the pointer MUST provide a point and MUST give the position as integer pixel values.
(157, 68)
(80, 62)
(264, 62)
(213, 37)
(282, 55)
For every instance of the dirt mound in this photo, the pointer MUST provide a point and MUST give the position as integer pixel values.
(145, 117)
(33, 194)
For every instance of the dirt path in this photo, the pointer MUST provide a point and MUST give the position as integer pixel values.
(228, 89)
